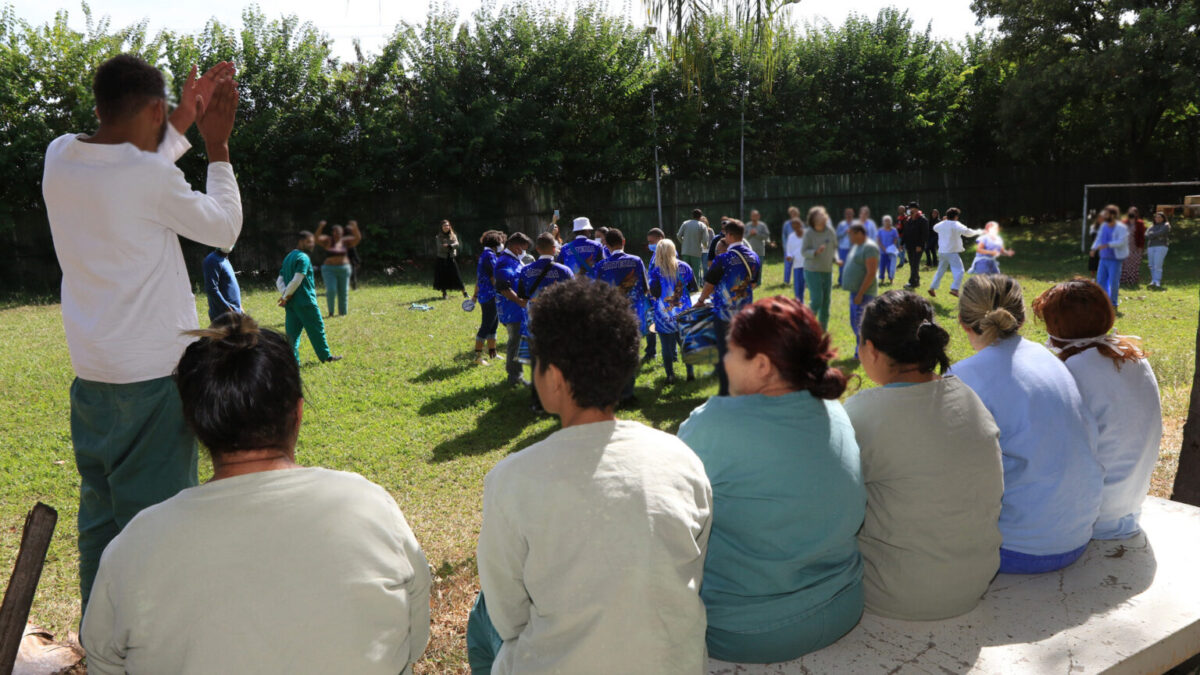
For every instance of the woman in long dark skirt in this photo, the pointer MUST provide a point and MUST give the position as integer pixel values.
(446, 277)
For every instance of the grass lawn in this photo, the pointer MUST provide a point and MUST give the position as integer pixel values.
(408, 410)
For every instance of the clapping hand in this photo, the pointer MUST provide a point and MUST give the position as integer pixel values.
(216, 122)
(197, 92)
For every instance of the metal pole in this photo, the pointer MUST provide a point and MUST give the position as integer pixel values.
(657, 166)
(1084, 245)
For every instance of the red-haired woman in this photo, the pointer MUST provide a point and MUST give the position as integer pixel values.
(783, 576)
(1118, 388)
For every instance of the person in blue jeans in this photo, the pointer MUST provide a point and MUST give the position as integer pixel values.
(672, 282)
(843, 238)
(860, 276)
(1111, 246)
(783, 576)
(889, 251)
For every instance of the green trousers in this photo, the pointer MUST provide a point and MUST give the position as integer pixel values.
(305, 317)
(694, 262)
(132, 450)
(820, 292)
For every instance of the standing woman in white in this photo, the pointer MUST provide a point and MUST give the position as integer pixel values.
(950, 247)
(117, 205)
(1118, 388)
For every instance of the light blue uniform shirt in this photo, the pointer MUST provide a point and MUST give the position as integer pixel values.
(1052, 478)
(843, 235)
(788, 500)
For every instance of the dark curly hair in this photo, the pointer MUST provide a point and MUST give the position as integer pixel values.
(902, 325)
(589, 332)
(239, 385)
(123, 84)
(787, 332)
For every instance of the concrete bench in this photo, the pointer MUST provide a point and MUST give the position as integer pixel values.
(1125, 607)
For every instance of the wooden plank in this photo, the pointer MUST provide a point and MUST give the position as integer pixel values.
(22, 585)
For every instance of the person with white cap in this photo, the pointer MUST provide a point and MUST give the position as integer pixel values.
(221, 284)
(582, 253)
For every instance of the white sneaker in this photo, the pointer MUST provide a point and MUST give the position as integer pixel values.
(480, 361)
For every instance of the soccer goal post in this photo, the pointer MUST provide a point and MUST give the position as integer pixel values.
(1084, 243)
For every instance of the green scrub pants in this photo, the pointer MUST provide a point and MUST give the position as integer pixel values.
(132, 450)
(820, 292)
(305, 317)
(483, 642)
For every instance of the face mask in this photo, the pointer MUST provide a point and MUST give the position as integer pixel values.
(652, 247)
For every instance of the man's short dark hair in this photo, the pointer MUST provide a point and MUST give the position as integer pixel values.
(655, 232)
(697, 214)
(953, 213)
(518, 238)
(614, 238)
(733, 227)
(914, 205)
(303, 234)
(858, 228)
(123, 85)
(492, 239)
(546, 243)
(587, 330)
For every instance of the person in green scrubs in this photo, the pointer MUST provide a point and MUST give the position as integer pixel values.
(298, 297)
(783, 576)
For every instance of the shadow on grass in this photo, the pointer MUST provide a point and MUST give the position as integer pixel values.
(505, 420)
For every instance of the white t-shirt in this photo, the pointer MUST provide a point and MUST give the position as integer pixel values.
(295, 571)
(1125, 404)
(795, 248)
(592, 551)
(116, 214)
(950, 234)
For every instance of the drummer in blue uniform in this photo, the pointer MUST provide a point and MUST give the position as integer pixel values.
(671, 284)
(730, 283)
(509, 305)
(485, 295)
(535, 278)
(653, 237)
(581, 254)
(628, 273)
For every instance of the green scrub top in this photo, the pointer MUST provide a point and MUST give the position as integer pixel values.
(298, 262)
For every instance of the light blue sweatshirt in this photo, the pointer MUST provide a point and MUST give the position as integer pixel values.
(1052, 478)
(788, 500)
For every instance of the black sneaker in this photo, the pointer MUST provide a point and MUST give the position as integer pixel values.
(332, 359)
(648, 358)
(670, 380)
(691, 377)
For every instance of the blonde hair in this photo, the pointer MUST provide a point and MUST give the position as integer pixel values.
(814, 212)
(993, 306)
(664, 259)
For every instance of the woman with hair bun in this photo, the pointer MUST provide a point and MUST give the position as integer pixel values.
(1052, 479)
(322, 560)
(783, 576)
(930, 542)
(1120, 391)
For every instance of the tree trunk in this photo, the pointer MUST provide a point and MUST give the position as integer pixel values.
(1187, 480)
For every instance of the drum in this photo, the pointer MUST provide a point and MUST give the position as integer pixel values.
(698, 333)
(524, 355)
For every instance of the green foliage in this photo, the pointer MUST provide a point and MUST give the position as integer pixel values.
(1099, 79)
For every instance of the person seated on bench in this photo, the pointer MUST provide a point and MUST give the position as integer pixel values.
(269, 566)
(592, 545)
(783, 575)
(1119, 389)
(1052, 478)
(930, 542)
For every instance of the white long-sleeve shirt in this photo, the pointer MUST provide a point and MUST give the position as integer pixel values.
(300, 570)
(592, 551)
(116, 214)
(795, 248)
(950, 234)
